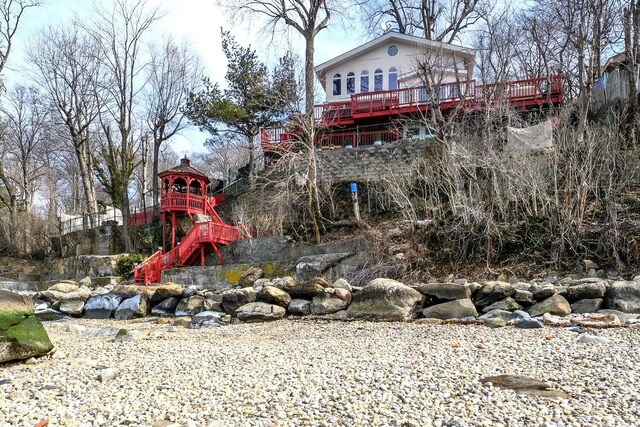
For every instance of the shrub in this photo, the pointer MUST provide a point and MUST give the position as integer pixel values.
(124, 264)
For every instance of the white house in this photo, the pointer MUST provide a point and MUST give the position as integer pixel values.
(391, 62)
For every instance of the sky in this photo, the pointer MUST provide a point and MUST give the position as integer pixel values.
(197, 21)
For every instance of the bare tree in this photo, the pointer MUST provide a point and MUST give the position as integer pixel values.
(67, 69)
(119, 35)
(174, 72)
(11, 13)
(631, 22)
(436, 20)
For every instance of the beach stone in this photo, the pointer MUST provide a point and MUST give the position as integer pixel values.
(73, 307)
(507, 304)
(344, 295)
(273, 295)
(495, 322)
(586, 305)
(624, 317)
(525, 385)
(451, 310)
(597, 320)
(236, 298)
(623, 296)
(384, 299)
(166, 290)
(589, 290)
(327, 304)
(134, 307)
(543, 292)
(524, 297)
(49, 314)
(445, 291)
(342, 284)
(306, 290)
(493, 291)
(529, 324)
(250, 275)
(166, 307)
(22, 336)
(259, 312)
(555, 304)
(591, 339)
(190, 306)
(299, 307)
(102, 306)
(208, 319)
(496, 314)
(108, 374)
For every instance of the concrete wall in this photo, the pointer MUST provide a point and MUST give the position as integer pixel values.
(372, 163)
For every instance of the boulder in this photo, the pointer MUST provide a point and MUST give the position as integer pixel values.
(597, 320)
(343, 294)
(385, 299)
(250, 276)
(306, 290)
(555, 304)
(86, 281)
(284, 283)
(190, 306)
(493, 291)
(299, 307)
(134, 307)
(589, 290)
(273, 295)
(167, 290)
(524, 297)
(529, 324)
(327, 304)
(586, 306)
(213, 302)
(451, 310)
(518, 316)
(342, 284)
(21, 334)
(72, 307)
(445, 291)
(64, 286)
(623, 296)
(52, 297)
(259, 312)
(102, 306)
(166, 307)
(624, 317)
(495, 323)
(49, 314)
(189, 291)
(543, 292)
(507, 304)
(209, 319)
(235, 298)
(496, 314)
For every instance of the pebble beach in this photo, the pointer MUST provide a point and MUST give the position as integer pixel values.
(321, 373)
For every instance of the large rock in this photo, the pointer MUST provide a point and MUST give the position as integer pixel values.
(134, 307)
(327, 304)
(102, 306)
(555, 304)
(524, 297)
(507, 304)
(544, 291)
(72, 307)
(209, 319)
(445, 291)
(299, 307)
(623, 296)
(586, 306)
(65, 286)
(342, 284)
(385, 299)
(166, 308)
(273, 295)
(80, 294)
(21, 334)
(167, 290)
(190, 306)
(589, 290)
(236, 298)
(493, 291)
(259, 312)
(451, 310)
(306, 290)
(213, 302)
(249, 277)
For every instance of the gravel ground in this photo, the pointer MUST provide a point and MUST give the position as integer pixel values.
(316, 373)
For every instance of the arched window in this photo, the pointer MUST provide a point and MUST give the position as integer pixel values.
(364, 82)
(393, 78)
(377, 80)
(337, 84)
(351, 83)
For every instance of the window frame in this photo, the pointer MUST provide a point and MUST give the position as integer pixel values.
(336, 84)
(378, 80)
(364, 77)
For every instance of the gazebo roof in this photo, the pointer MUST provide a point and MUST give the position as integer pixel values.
(184, 168)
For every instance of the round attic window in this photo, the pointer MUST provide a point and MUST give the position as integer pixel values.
(392, 50)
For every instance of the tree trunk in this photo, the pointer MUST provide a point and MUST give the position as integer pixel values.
(309, 76)
(126, 221)
(86, 168)
(155, 187)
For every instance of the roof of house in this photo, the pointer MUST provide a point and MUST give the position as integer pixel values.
(389, 37)
(184, 168)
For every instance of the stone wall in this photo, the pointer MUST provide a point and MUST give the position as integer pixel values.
(371, 163)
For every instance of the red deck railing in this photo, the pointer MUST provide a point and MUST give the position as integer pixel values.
(182, 201)
(356, 139)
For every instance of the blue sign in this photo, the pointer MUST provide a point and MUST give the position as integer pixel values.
(354, 187)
